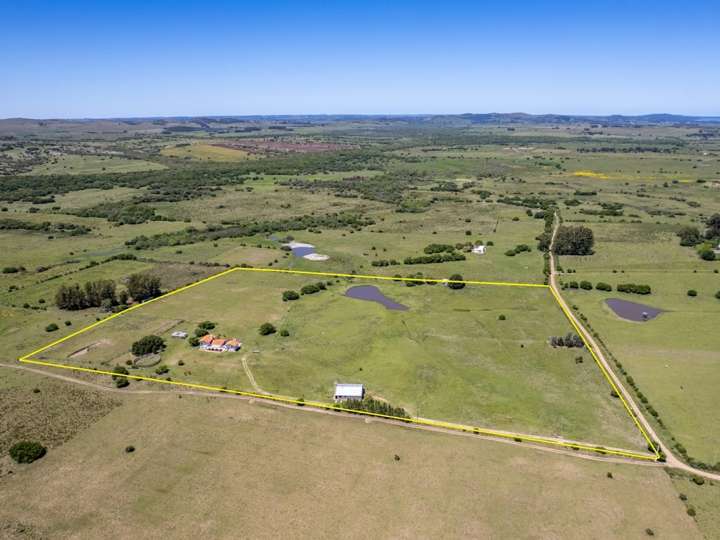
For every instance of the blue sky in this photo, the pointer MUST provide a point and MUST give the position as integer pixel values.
(75, 59)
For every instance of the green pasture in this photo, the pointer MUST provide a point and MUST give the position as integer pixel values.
(448, 357)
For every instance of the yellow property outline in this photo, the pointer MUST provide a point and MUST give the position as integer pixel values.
(27, 359)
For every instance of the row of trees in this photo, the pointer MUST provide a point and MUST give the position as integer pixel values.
(634, 288)
(103, 293)
(374, 406)
(435, 258)
(100, 293)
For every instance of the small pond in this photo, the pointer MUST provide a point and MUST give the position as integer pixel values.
(632, 311)
(306, 251)
(373, 294)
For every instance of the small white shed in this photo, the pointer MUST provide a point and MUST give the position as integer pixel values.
(345, 391)
(479, 250)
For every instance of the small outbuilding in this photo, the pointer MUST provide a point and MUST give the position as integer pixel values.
(344, 391)
(479, 250)
(179, 334)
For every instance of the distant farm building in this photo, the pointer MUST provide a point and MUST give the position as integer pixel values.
(216, 344)
(349, 391)
(179, 334)
(479, 250)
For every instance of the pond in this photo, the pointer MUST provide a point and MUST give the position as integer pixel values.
(632, 311)
(372, 294)
(306, 251)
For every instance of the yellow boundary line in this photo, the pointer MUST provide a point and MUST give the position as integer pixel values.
(27, 358)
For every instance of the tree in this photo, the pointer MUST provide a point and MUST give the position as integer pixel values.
(689, 236)
(266, 329)
(143, 286)
(27, 451)
(713, 226)
(574, 240)
(148, 345)
(51, 327)
(456, 286)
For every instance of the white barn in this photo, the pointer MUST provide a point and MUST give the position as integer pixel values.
(345, 391)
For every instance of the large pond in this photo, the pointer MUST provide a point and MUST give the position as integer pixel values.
(632, 311)
(372, 294)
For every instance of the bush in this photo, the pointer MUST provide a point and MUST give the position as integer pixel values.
(284, 332)
(194, 341)
(51, 327)
(290, 295)
(501, 318)
(310, 289)
(456, 286)
(148, 345)
(717, 295)
(707, 254)
(634, 288)
(27, 451)
(602, 286)
(162, 369)
(120, 382)
(266, 329)
(129, 449)
(586, 285)
(692, 292)
(207, 325)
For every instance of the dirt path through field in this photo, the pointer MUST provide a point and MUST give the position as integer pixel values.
(671, 460)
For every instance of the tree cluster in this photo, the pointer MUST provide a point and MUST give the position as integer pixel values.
(100, 293)
(574, 240)
(148, 345)
(570, 340)
(633, 288)
(143, 286)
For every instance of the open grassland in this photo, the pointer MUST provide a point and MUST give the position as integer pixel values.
(448, 357)
(701, 498)
(261, 472)
(674, 358)
(34, 407)
(205, 152)
(94, 164)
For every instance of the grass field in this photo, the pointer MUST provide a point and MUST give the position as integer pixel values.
(205, 152)
(673, 358)
(255, 471)
(92, 164)
(448, 357)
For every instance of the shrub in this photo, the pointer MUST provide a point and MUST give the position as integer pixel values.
(162, 369)
(586, 285)
(68, 323)
(310, 289)
(717, 295)
(266, 329)
(284, 332)
(194, 341)
(27, 451)
(148, 345)
(120, 382)
(573, 285)
(290, 295)
(602, 286)
(207, 325)
(699, 480)
(129, 449)
(634, 288)
(501, 318)
(456, 286)
(692, 292)
(51, 327)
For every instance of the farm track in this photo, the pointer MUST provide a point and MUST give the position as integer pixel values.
(199, 393)
(672, 461)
